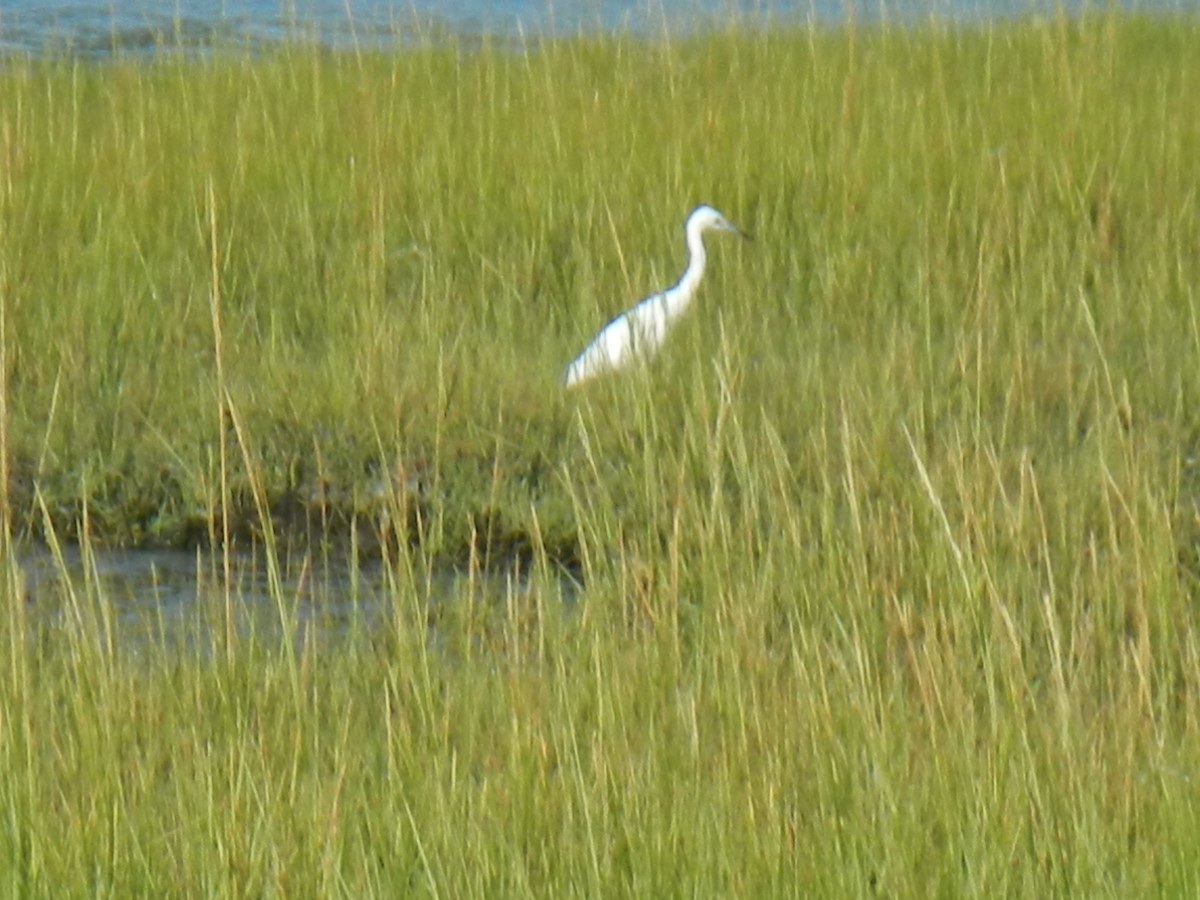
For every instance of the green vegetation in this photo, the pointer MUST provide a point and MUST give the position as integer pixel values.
(887, 566)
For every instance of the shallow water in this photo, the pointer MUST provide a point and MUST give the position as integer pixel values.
(100, 27)
(185, 599)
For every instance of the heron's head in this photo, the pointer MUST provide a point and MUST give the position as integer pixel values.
(705, 218)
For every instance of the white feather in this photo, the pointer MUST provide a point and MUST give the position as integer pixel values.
(638, 332)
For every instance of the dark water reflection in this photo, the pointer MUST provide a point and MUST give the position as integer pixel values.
(185, 599)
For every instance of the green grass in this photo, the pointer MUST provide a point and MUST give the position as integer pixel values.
(887, 566)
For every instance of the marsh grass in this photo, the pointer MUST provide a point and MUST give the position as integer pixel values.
(882, 578)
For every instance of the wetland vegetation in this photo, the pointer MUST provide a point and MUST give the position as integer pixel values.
(882, 577)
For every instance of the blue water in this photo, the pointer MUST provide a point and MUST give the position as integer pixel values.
(78, 26)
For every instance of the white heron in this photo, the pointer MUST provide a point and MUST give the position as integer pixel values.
(640, 330)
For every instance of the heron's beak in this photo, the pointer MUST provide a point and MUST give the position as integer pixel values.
(727, 226)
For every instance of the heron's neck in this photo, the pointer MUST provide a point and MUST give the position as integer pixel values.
(689, 281)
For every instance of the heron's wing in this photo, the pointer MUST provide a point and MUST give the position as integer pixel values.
(607, 350)
(636, 332)
(648, 323)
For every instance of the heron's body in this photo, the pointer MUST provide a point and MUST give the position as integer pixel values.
(640, 330)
